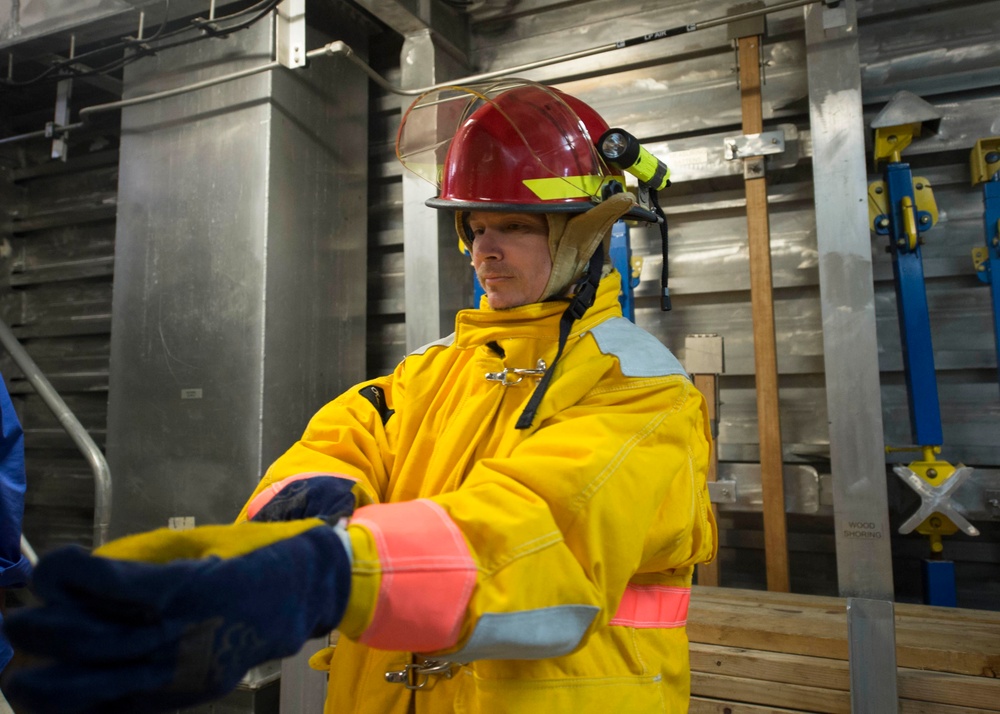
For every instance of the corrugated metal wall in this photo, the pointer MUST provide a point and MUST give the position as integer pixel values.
(59, 224)
(679, 96)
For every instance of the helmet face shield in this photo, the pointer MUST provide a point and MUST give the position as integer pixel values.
(507, 145)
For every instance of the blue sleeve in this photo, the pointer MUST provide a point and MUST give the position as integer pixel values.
(14, 567)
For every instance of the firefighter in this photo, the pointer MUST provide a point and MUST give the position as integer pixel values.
(508, 521)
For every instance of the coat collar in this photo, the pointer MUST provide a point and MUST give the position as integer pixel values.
(539, 321)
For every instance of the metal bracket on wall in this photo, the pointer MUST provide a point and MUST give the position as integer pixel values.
(291, 33)
(64, 91)
(739, 488)
(748, 26)
(722, 491)
(743, 146)
(780, 147)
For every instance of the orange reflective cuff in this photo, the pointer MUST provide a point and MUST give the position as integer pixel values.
(269, 492)
(651, 606)
(427, 576)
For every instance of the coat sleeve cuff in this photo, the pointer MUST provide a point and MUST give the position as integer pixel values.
(426, 575)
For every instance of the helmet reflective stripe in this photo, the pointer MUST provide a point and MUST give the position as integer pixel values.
(551, 189)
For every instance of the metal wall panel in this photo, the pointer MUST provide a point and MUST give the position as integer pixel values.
(55, 293)
(239, 282)
(679, 96)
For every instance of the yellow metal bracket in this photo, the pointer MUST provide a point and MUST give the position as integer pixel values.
(980, 255)
(891, 140)
(636, 266)
(923, 201)
(909, 222)
(936, 525)
(980, 166)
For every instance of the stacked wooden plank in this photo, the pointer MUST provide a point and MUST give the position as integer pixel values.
(755, 652)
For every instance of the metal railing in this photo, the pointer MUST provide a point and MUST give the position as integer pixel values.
(73, 427)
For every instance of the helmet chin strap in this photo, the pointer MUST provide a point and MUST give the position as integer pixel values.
(586, 291)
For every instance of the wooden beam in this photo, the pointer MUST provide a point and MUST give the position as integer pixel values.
(956, 641)
(708, 385)
(778, 668)
(762, 308)
(753, 691)
(700, 705)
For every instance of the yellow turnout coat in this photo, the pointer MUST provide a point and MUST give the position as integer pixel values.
(533, 570)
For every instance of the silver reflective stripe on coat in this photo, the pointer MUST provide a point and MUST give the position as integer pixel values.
(638, 352)
(443, 342)
(530, 634)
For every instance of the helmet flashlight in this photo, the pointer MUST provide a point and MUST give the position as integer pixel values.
(623, 151)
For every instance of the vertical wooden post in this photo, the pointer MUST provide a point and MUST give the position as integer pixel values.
(762, 306)
(708, 384)
(704, 359)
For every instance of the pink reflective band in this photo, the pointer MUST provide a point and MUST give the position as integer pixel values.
(265, 496)
(648, 606)
(427, 576)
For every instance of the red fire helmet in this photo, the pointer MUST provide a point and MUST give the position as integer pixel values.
(511, 145)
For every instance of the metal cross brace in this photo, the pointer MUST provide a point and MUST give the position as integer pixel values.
(935, 499)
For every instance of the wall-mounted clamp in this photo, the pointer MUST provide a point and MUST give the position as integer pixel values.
(752, 148)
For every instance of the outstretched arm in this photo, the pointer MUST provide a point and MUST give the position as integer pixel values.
(169, 619)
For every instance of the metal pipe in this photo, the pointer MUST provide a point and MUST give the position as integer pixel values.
(69, 422)
(777, 7)
(339, 47)
(98, 108)
(46, 133)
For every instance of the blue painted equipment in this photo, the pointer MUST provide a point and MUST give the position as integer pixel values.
(939, 583)
(902, 208)
(902, 218)
(985, 168)
(627, 266)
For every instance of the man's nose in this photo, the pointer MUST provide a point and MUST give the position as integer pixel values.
(487, 244)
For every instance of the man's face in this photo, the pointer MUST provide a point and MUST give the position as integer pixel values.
(510, 252)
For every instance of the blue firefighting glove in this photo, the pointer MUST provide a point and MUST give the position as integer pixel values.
(318, 496)
(169, 619)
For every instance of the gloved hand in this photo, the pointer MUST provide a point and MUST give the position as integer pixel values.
(313, 496)
(168, 619)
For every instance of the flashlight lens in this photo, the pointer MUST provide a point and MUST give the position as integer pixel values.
(614, 146)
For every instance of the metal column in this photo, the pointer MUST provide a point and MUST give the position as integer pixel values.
(861, 517)
(240, 261)
(438, 280)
